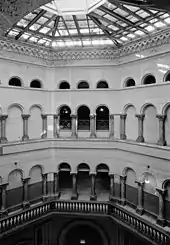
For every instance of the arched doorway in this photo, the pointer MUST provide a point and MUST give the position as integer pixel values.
(86, 233)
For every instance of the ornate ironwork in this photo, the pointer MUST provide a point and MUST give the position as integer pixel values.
(65, 124)
(84, 124)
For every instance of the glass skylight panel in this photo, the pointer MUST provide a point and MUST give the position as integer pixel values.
(44, 30)
(34, 27)
(131, 8)
(70, 24)
(110, 5)
(48, 15)
(42, 20)
(41, 41)
(25, 36)
(132, 18)
(152, 21)
(150, 28)
(142, 13)
(84, 31)
(131, 35)
(153, 11)
(98, 11)
(51, 24)
(23, 23)
(167, 20)
(73, 32)
(61, 25)
(30, 16)
(96, 31)
(69, 43)
(109, 17)
(164, 16)
(57, 34)
(114, 28)
(63, 32)
(123, 24)
(33, 39)
(159, 24)
(140, 33)
(83, 24)
(13, 32)
(120, 12)
(77, 42)
(87, 42)
(124, 39)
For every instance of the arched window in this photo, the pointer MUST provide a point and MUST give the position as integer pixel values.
(149, 79)
(83, 85)
(102, 84)
(130, 83)
(102, 118)
(15, 82)
(83, 118)
(65, 118)
(64, 85)
(167, 77)
(35, 84)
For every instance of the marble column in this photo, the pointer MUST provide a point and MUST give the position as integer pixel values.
(161, 217)
(56, 186)
(3, 187)
(93, 196)
(140, 118)
(112, 187)
(44, 126)
(161, 140)
(74, 186)
(123, 189)
(111, 126)
(25, 193)
(74, 126)
(139, 208)
(123, 126)
(92, 126)
(25, 136)
(44, 184)
(3, 129)
(56, 133)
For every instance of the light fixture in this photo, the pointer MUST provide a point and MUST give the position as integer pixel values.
(147, 181)
(82, 241)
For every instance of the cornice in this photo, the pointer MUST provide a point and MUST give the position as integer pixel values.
(51, 57)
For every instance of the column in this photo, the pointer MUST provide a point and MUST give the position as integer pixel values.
(3, 129)
(139, 208)
(92, 126)
(93, 196)
(140, 127)
(3, 195)
(123, 189)
(44, 180)
(56, 186)
(112, 187)
(111, 127)
(161, 217)
(161, 140)
(25, 193)
(44, 126)
(56, 133)
(25, 136)
(122, 126)
(74, 126)
(74, 187)
(50, 186)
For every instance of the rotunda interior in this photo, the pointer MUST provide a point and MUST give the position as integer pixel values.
(84, 122)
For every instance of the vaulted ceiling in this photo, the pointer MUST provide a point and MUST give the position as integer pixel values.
(112, 22)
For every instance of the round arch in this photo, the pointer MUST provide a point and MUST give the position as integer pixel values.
(145, 106)
(36, 83)
(83, 114)
(102, 84)
(16, 105)
(65, 117)
(148, 79)
(102, 118)
(129, 82)
(64, 85)
(85, 223)
(84, 167)
(166, 77)
(64, 166)
(83, 85)
(15, 81)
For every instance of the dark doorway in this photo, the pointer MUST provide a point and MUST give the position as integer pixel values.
(83, 235)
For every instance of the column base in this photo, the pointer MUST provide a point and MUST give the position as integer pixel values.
(3, 213)
(123, 137)
(93, 197)
(160, 222)
(56, 136)
(44, 198)
(74, 136)
(123, 202)
(26, 204)
(111, 137)
(93, 136)
(140, 139)
(161, 142)
(74, 196)
(139, 211)
(25, 138)
(3, 140)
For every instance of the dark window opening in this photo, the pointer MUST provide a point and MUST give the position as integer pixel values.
(130, 83)
(102, 84)
(65, 118)
(35, 84)
(102, 118)
(149, 80)
(83, 118)
(64, 85)
(167, 78)
(15, 82)
(83, 85)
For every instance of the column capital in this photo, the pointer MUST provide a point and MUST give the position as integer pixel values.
(111, 116)
(4, 185)
(73, 173)
(140, 183)
(24, 180)
(92, 116)
(140, 116)
(56, 116)
(92, 173)
(74, 116)
(3, 117)
(25, 116)
(123, 116)
(44, 116)
(111, 175)
(161, 192)
(161, 117)
(123, 177)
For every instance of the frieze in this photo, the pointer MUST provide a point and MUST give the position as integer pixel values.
(52, 57)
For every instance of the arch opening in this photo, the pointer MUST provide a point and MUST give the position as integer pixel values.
(15, 82)
(102, 84)
(35, 84)
(102, 118)
(167, 77)
(65, 118)
(65, 181)
(64, 85)
(83, 85)
(83, 114)
(130, 83)
(149, 79)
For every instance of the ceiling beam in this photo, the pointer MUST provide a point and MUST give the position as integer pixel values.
(34, 20)
(55, 26)
(78, 28)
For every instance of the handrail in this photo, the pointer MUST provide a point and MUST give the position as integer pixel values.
(151, 232)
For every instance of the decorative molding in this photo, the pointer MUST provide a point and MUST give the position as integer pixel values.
(52, 57)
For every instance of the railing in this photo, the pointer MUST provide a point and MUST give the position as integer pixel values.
(151, 232)
(102, 125)
(83, 124)
(65, 124)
